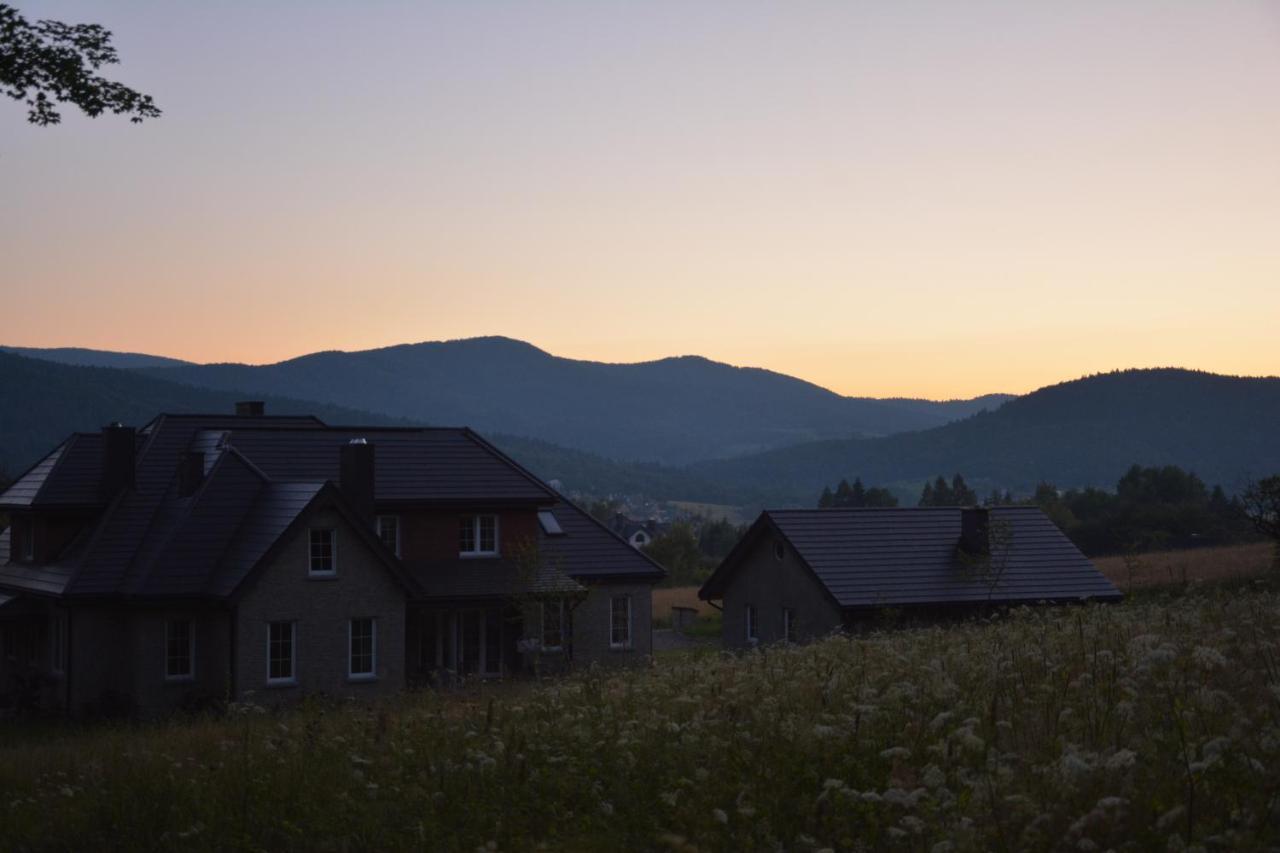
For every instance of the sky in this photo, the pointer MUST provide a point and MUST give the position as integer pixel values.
(902, 198)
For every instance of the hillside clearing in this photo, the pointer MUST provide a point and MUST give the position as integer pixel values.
(1137, 726)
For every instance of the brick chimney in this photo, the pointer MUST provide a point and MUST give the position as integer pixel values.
(250, 409)
(356, 476)
(118, 452)
(975, 531)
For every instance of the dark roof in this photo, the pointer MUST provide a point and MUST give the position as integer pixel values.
(439, 465)
(68, 476)
(899, 557)
(261, 475)
(589, 549)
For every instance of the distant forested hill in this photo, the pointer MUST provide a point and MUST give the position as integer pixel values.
(81, 357)
(675, 411)
(43, 402)
(1225, 429)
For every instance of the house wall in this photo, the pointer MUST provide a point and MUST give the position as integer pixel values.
(153, 694)
(591, 624)
(761, 579)
(322, 608)
(117, 658)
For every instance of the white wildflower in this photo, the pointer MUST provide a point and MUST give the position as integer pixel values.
(720, 815)
(1208, 658)
(1122, 759)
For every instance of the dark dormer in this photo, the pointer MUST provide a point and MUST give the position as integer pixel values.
(190, 473)
(251, 409)
(975, 531)
(119, 448)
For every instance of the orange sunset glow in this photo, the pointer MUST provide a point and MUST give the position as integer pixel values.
(900, 199)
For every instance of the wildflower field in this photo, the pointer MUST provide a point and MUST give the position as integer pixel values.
(1153, 724)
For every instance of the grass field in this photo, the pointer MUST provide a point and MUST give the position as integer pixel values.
(1153, 724)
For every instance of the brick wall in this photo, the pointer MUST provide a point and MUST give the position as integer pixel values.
(322, 609)
(591, 625)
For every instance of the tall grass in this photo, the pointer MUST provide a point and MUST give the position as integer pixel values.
(1150, 725)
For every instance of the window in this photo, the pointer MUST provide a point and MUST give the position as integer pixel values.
(550, 524)
(324, 557)
(389, 532)
(179, 650)
(363, 660)
(281, 652)
(620, 622)
(552, 625)
(28, 531)
(641, 539)
(58, 647)
(779, 550)
(478, 536)
(788, 624)
(753, 632)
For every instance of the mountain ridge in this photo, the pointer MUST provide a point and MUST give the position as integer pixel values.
(674, 410)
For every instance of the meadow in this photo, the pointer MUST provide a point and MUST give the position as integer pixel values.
(1150, 724)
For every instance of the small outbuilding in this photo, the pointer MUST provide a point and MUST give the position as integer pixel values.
(803, 573)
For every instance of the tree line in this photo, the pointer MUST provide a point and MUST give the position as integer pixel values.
(1151, 508)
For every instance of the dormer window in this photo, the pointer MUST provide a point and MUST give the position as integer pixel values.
(478, 536)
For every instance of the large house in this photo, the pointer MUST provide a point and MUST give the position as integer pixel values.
(205, 557)
(798, 574)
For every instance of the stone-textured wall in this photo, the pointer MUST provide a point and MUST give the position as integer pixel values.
(322, 609)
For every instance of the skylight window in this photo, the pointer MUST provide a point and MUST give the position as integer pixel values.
(550, 525)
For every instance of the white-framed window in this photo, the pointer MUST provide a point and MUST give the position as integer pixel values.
(641, 539)
(58, 646)
(389, 532)
(362, 659)
(478, 536)
(788, 624)
(282, 652)
(620, 622)
(553, 616)
(179, 650)
(753, 624)
(324, 552)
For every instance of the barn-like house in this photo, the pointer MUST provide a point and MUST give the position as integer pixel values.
(798, 574)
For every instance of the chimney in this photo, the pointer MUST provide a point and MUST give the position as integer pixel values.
(355, 476)
(250, 409)
(190, 473)
(118, 449)
(975, 531)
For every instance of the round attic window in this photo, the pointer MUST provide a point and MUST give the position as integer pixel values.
(779, 550)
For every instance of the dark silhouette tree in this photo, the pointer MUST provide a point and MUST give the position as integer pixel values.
(1261, 503)
(855, 496)
(50, 62)
(961, 494)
